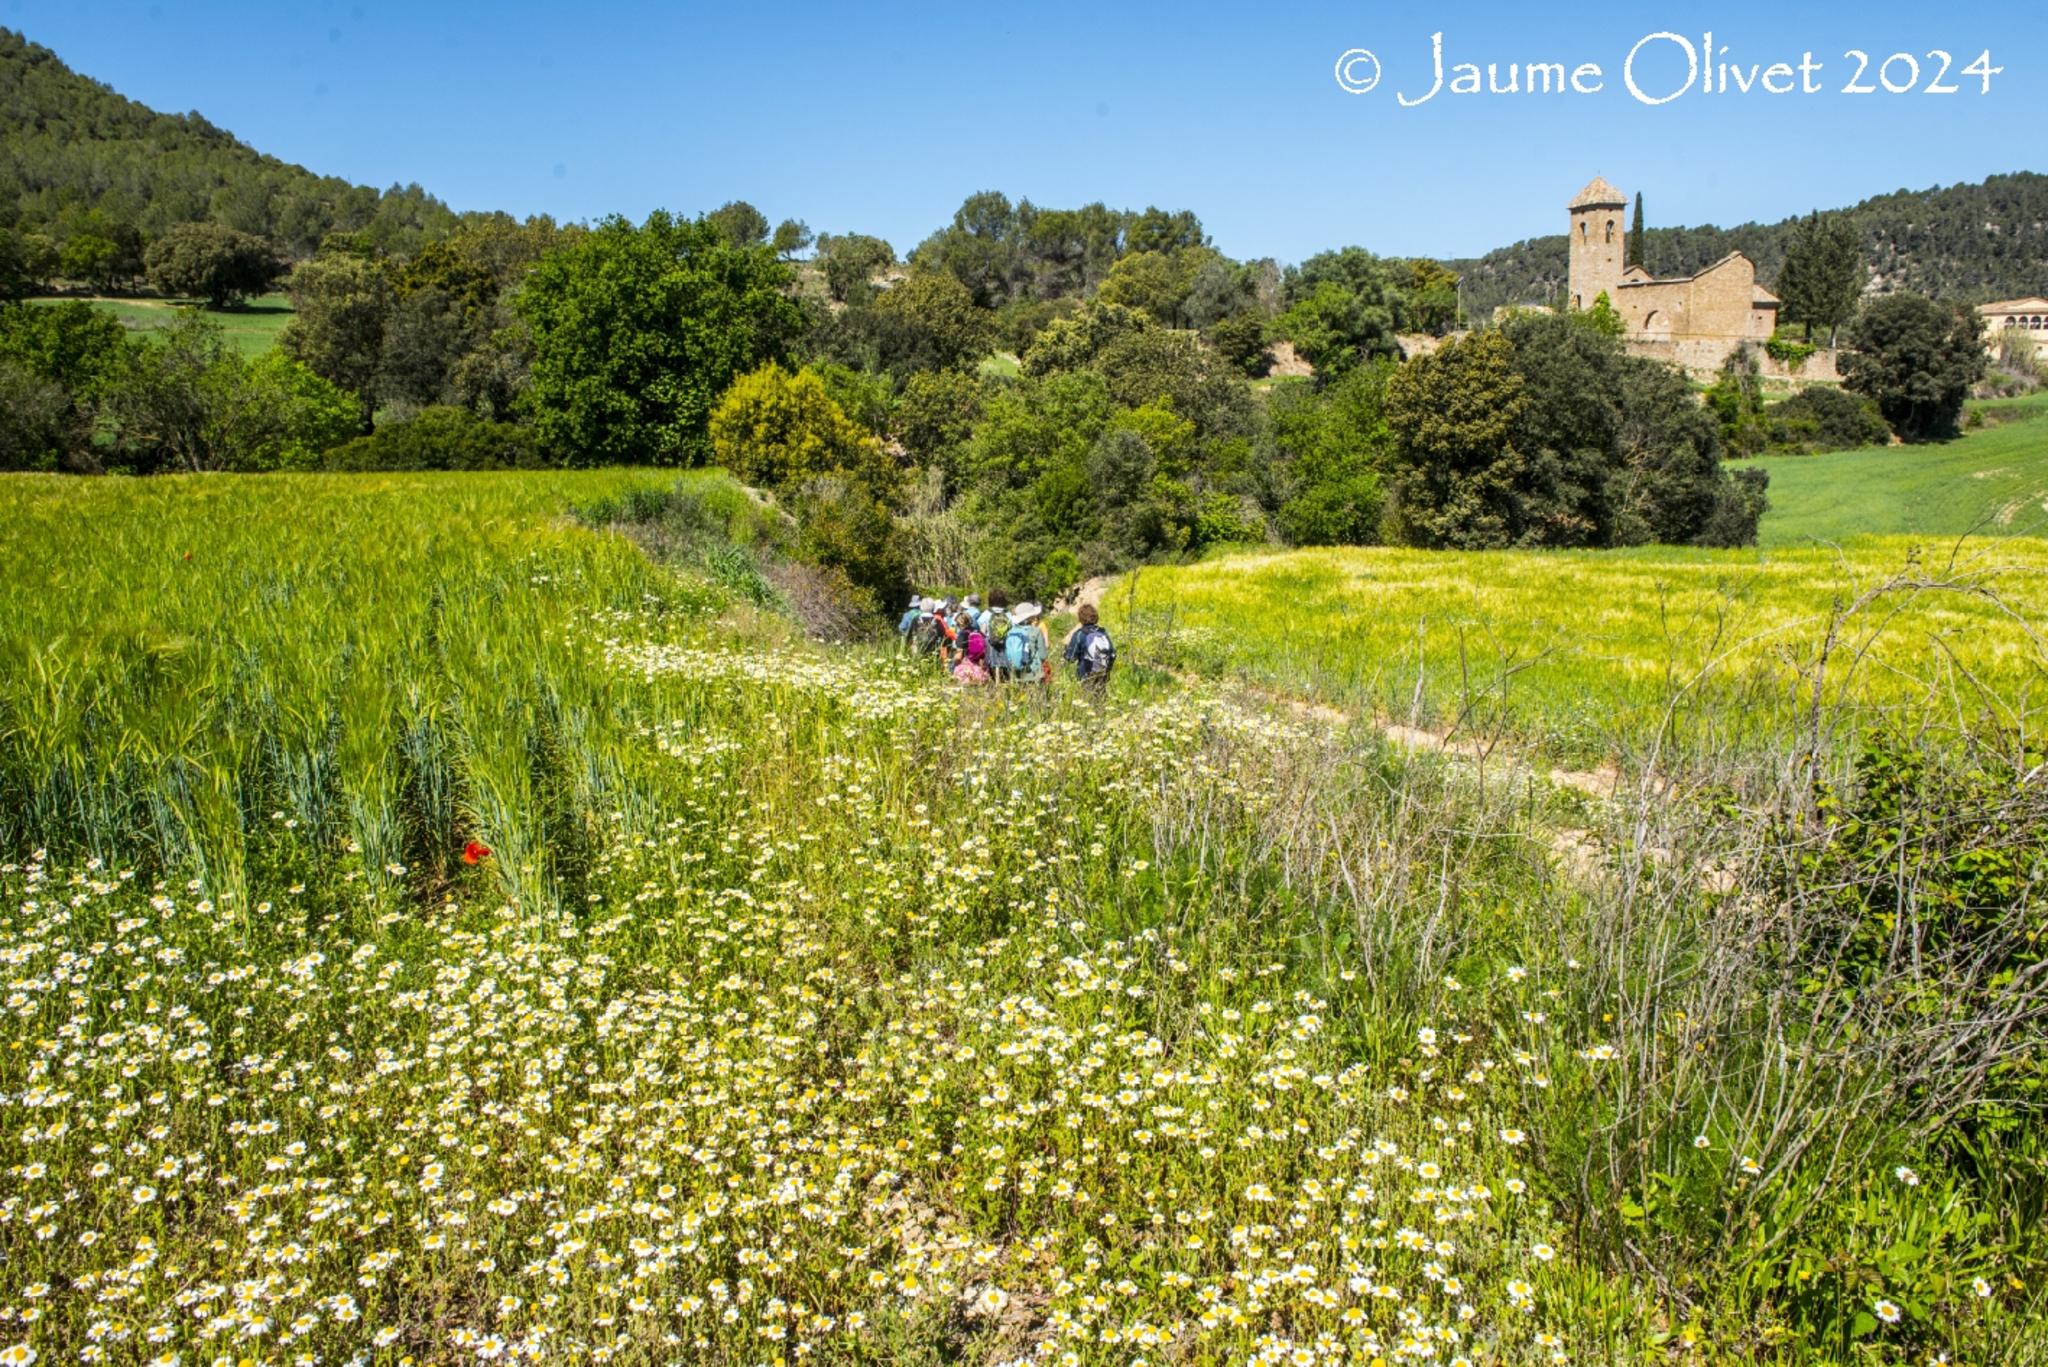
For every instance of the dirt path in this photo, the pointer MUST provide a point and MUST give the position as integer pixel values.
(1577, 848)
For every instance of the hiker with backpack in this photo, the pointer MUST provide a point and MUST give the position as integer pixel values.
(995, 625)
(1092, 652)
(973, 666)
(1027, 655)
(954, 636)
(907, 623)
(928, 635)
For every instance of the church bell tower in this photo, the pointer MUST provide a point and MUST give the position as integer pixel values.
(1599, 243)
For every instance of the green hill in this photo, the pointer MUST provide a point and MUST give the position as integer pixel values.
(76, 157)
(1993, 482)
(1969, 242)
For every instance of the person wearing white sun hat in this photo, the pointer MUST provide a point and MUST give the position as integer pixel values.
(1027, 654)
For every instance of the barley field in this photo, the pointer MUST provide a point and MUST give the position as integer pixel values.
(436, 932)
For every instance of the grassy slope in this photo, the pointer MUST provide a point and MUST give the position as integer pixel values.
(252, 328)
(1994, 481)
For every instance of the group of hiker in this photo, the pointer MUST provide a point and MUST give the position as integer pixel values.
(1004, 644)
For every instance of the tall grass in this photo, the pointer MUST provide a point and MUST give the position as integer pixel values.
(194, 668)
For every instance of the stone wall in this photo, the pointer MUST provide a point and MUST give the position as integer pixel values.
(1702, 357)
(1722, 301)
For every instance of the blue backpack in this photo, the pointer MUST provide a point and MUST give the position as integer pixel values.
(1024, 650)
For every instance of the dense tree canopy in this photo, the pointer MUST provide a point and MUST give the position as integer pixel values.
(1546, 433)
(341, 311)
(637, 330)
(75, 157)
(184, 399)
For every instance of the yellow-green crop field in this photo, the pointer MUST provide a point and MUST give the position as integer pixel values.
(435, 932)
(1597, 652)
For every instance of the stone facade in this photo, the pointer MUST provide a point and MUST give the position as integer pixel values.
(1703, 356)
(2029, 315)
(1694, 320)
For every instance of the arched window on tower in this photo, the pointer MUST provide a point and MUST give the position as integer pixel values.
(1583, 235)
(1610, 230)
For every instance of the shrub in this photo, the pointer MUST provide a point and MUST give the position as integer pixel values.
(54, 363)
(1823, 418)
(1788, 351)
(1917, 359)
(1232, 520)
(185, 399)
(1740, 503)
(439, 438)
(842, 526)
(1737, 403)
(776, 430)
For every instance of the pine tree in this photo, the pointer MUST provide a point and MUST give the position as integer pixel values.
(1822, 279)
(1636, 254)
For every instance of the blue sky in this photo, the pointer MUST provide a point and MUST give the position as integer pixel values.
(882, 117)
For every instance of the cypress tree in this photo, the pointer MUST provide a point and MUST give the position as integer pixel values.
(1636, 254)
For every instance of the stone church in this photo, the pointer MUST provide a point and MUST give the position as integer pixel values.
(1693, 321)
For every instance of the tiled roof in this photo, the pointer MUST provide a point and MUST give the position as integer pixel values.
(1596, 194)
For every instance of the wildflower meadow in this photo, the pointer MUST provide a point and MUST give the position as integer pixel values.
(436, 932)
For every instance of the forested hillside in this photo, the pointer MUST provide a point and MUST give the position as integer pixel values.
(78, 159)
(1967, 242)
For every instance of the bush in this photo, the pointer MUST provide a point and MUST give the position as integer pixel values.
(1788, 351)
(1343, 512)
(1740, 503)
(439, 439)
(1231, 520)
(1917, 359)
(1737, 403)
(35, 431)
(777, 431)
(184, 399)
(1823, 418)
(54, 364)
(1241, 340)
(842, 526)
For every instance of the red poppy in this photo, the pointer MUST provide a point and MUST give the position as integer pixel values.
(475, 852)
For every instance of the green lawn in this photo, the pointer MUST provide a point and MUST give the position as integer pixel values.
(253, 328)
(1993, 481)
